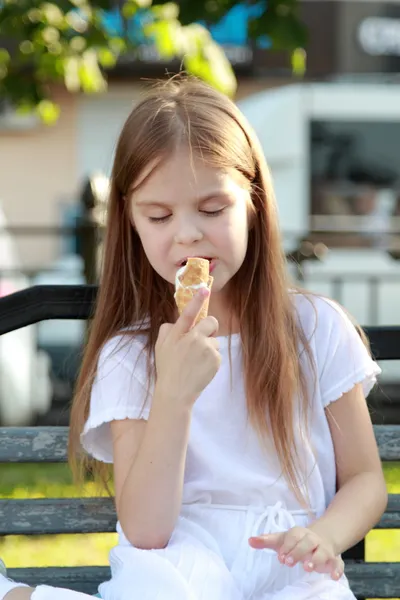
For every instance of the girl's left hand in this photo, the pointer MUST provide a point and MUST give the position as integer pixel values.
(301, 544)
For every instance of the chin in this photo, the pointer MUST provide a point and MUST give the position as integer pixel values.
(218, 287)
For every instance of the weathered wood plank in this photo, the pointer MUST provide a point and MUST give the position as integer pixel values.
(81, 579)
(33, 444)
(376, 580)
(49, 444)
(388, 439)
(57, 515)
(96, 515)
(391, 518)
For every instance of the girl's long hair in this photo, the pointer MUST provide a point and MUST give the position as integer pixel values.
(185, 111)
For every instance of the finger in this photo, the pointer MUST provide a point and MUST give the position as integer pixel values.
(337, 568)
(214, 343)
(273, 541)
(303, 549)
(293, 537)
(207, 326)
(163, 332)
(187, 319)
(308, 564)
(319, 561)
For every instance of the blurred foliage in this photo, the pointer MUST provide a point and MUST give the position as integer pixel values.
(277, 19)
(71, 41)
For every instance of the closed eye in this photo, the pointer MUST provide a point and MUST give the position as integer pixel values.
(159, 219)
(213, 213)
(208, 213)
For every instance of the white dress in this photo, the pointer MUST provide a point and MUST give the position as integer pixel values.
(233, 488)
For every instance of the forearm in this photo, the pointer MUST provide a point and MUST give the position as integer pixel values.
(355, 509)
(152, 493)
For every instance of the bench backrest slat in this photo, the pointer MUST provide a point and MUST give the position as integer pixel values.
(49, 444)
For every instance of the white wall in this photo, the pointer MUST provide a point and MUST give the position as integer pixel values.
(99, 121)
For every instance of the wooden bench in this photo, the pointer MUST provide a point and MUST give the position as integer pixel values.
(97, 515)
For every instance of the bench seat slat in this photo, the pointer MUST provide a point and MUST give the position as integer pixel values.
(49, 444)
(388, 439)
(96, 515)
(41, 516)
(374, 580)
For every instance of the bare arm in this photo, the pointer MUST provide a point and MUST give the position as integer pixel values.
(149, 458)
(361, 498)
(149, 463)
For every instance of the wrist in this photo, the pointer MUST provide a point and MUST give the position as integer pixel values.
(177, 399)
(324, 531)
(174, 404)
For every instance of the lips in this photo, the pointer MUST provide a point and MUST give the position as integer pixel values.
(213, 264)
(183, 262)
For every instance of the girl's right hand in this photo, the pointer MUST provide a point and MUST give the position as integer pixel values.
(187, 355)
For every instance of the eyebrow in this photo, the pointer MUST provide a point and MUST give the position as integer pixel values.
(157, 203)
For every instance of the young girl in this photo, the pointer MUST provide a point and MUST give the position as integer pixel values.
(243, 454)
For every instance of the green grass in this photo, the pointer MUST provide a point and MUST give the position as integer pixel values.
(50, 481)
(40, 481)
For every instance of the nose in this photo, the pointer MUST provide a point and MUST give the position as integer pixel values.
(187, 232)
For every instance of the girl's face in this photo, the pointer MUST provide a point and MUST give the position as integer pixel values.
(186, 208)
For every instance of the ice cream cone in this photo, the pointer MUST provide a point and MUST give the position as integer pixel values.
(189, 279)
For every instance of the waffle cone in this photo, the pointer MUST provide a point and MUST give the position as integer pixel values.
(197, 271)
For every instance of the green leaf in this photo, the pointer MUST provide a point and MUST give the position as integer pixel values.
(4, 56)
(3, 71)
(143, 3)
(208, 61)
(26, 47)
(129, 9)
(52, 14)
(48, 112)
(165, 35)
(24, 109)
(71, 74)
(118, 45)
(299, 62)
(78, 43)
(91, 78)
(167, 11)
(106, 58)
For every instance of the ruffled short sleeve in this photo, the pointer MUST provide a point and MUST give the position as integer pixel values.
(341, 356)
(119, 392)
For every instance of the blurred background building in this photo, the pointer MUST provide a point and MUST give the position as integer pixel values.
(333, 144)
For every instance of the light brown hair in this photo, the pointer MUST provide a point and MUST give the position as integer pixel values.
(184, 110)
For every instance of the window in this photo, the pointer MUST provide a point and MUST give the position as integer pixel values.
(355, 183)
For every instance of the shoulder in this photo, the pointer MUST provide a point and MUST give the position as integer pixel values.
(125, 350)
(318, 315)
(341, 355)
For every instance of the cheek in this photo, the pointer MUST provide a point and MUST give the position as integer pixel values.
(236, 232)
(154, 242)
